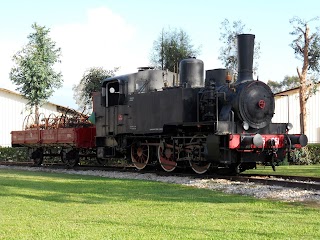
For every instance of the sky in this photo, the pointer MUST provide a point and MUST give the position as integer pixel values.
(120, 33)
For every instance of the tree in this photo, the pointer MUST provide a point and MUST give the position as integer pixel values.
(229, 50)
(33, 72)
(289, 82)
(306, 47)
(170, 48)
(90, 82)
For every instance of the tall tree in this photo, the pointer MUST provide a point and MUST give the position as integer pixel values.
(306, 46)
(33, 72)
(229, 50)
(90, 82)
(170, 48)
(287, 83)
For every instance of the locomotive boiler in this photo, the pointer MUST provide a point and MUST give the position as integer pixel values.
(154, 117)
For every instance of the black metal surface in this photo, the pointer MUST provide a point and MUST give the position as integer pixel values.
(149, 112)
(145, 81)
(245, 57)
(251, 101)
(191, 72)
(216, 76)
(213, 148)
(255, 104)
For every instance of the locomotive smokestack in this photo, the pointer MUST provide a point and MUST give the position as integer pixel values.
(245, 57)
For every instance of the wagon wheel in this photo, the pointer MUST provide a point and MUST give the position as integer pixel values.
(72, 158)
(37, 156)
(166, 159)
(102, 161)
(63, 156)
(198, 163)
(140, 154)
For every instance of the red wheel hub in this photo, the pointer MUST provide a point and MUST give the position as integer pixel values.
(262, 104)
(139, 152)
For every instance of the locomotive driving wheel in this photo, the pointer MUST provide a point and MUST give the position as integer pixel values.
(166, 157)
(197, 161)
(140, 154)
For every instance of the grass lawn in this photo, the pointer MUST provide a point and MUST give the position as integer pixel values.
(293, 170)
(38, 205)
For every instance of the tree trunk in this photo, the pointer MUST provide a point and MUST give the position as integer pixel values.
(303, 81)
(303, 98)
(36, 111)
(303, 111)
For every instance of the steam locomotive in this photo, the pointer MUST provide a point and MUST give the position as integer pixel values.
(153, 116)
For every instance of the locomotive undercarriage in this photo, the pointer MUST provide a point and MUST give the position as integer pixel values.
(185, 147)
(176, 152)
(170, 152)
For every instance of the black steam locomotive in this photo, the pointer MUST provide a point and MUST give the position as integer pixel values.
(153, 116)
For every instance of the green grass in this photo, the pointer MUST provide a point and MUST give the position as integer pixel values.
(37, 205)
(293, 170)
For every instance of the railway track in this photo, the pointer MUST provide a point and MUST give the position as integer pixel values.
(301, 182)
(306, 183)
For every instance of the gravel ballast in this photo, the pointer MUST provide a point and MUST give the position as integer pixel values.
(231, 187)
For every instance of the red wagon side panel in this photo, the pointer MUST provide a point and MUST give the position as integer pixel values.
(25, 137)
(49, 136)
(66, 135)
(77, 137)
(32, 136)
(17, 137)
(86, 137)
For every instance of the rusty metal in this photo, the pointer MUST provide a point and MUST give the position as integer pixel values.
(64, 120)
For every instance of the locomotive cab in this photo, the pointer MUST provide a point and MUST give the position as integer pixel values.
(113, 93)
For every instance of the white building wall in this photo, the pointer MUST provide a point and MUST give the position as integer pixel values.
(313, 118)
(13, 111)
(313, 113)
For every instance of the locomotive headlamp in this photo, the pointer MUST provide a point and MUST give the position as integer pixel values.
(112, 90)
(245, 126)
(289, 126)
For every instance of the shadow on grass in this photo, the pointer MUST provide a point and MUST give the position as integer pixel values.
(96, 190)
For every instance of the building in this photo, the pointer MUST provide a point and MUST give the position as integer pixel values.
(14, 112)
(287, 109)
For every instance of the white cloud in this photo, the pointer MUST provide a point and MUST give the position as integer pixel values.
(100, 41)
(103, 39)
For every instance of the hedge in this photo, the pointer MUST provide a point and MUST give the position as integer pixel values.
(13, 154)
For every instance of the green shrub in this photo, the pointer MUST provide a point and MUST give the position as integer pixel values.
(314, 150)
(13, 154)
(302, 156)
(307, 155)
